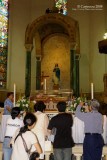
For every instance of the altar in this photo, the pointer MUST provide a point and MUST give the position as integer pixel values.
(51, 97)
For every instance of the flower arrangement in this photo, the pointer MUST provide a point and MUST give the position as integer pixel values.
(24, 104)
(73, 103)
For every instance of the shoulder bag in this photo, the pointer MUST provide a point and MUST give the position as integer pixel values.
(33, 154)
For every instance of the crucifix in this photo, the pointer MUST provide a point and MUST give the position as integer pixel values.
(43, 81)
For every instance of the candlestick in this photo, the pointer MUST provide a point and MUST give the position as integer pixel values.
(92, 91)
(44, 84)
(14, 95)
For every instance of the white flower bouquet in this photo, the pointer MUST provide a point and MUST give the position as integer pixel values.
(73, 103)
(23, 103)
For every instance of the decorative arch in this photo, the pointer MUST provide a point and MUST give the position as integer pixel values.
(41, 28)
(66, 22)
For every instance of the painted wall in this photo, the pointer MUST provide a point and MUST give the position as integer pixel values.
(92, 27)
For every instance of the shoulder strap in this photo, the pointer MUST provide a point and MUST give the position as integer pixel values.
(25, 145)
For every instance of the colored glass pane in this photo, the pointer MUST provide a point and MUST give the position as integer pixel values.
(62, 6)
(3, 41)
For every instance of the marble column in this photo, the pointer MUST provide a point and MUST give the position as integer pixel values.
(38, 72)
(74, 72)
(29, 48)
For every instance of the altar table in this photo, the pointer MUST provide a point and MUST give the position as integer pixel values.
(77, 129)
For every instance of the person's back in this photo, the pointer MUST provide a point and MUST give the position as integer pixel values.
(40, 128)
(63, 141)
(63, 123)
(13, 123)
(19, 151)
(25, 138)
(93, 122)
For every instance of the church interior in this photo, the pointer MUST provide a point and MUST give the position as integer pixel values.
(39, 38)
(41, 35)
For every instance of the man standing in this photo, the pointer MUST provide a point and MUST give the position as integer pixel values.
(93, 121)
(63, 141)
(8, 103)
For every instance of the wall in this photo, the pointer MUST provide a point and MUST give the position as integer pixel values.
(57, 50)
(92, 27)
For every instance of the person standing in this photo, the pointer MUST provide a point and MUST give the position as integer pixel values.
(24, 139)
(93, 121)
(13, 123)
(8, 105)
(63, 141)
(40, 128)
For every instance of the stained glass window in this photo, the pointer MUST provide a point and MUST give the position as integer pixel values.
(3, 42)
(62, 6)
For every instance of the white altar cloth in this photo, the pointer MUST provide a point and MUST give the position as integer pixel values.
(3, 127)
(77, 129)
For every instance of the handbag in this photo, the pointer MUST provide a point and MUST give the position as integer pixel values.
(32, 155)
(48, 146)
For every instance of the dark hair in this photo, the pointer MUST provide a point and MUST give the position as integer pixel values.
(15, 112)
(9, 93)
(39, 106)
(34, 155)
(29, 120)
(61, 106)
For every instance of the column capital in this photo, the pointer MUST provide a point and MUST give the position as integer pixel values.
(38, 57)
(29, 47)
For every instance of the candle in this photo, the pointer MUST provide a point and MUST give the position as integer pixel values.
(92, 91)
(14, 95)
(45, 84)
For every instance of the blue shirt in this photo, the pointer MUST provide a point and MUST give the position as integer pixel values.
(9, 103)
(93, 121)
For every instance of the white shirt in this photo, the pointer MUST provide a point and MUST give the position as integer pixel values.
(40, 129)
(12, 125)
(19, 152)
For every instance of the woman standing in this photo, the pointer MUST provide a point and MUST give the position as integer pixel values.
(13, 123)
(25, 133)
(40, 128)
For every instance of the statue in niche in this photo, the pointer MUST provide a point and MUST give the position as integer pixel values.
(56, 77)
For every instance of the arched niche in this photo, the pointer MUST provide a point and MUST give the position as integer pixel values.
(39, 31)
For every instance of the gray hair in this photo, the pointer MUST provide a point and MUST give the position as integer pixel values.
(94, 104)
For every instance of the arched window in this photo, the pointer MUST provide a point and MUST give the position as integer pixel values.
(3, 42)
(62, 6)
